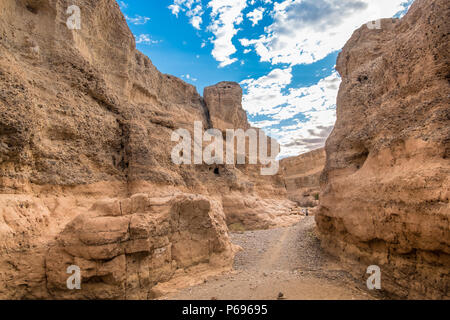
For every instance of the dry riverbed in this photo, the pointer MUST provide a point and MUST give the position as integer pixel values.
(285, 263)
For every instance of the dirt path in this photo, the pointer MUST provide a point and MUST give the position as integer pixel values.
(287, 260)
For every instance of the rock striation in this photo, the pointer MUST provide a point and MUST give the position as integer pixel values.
(126, 247)
(87, 177)
(386, 183)
(302, 175)
(224, 105)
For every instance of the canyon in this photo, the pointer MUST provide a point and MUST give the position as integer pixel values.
(302, 176)
(87, 177)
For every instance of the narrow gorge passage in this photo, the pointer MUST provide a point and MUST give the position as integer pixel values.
(283, 260)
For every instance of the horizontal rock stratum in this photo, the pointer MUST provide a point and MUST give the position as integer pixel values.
(386, 182)
(302, 175)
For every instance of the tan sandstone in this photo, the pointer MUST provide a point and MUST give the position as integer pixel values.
(386, 183)
(85, 161)
(302, 175)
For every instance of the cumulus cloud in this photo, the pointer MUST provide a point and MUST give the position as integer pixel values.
(305, 31)
(256, 15)
(226, 15)
(264, 123)
(319, 97)
(192, 8)
(195, 14)
(175, 9)
(264, 95)
(308, 135)
(270, 96)
(300, 32)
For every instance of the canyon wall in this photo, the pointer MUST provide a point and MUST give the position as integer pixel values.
(386, 183)
(302, 175)
(87, 177)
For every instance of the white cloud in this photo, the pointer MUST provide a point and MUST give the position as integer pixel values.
(256, 15)
(306, 136)
(196, 21)
(263, 95)
(196, 16)
(175, 9)
(189, 77)
(137, 20)
(145, 39)
(253, 2)
(264, 123)
(269, 95)
(192, 8)
(225, 16)
(123, 5)
(319, 97)
(305, 31)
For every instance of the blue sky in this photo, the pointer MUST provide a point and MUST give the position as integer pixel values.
(282, 52)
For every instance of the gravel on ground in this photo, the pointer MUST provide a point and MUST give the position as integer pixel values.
(283, 263)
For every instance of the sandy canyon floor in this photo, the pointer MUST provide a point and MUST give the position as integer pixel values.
(284, 260)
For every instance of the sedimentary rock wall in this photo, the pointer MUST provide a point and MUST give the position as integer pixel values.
(126, 247)
(224, 106)
(386, 183)
(85, 159)
(302, 175)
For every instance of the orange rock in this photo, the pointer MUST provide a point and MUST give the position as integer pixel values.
(386, 182)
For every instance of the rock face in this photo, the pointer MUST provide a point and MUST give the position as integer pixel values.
(386, 182)
(224, 105)
(254, 213)
(126, 247)
(302, 175)
(87, 177)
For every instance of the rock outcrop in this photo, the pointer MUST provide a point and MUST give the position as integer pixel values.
(255, 213)
(302, 175)
(85, 159)
(224, 101)
(386, 183)
(126, 247)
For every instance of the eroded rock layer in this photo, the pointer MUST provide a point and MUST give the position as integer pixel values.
(302, 175)
(126, 247)
(87, 177)
(386, 182)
